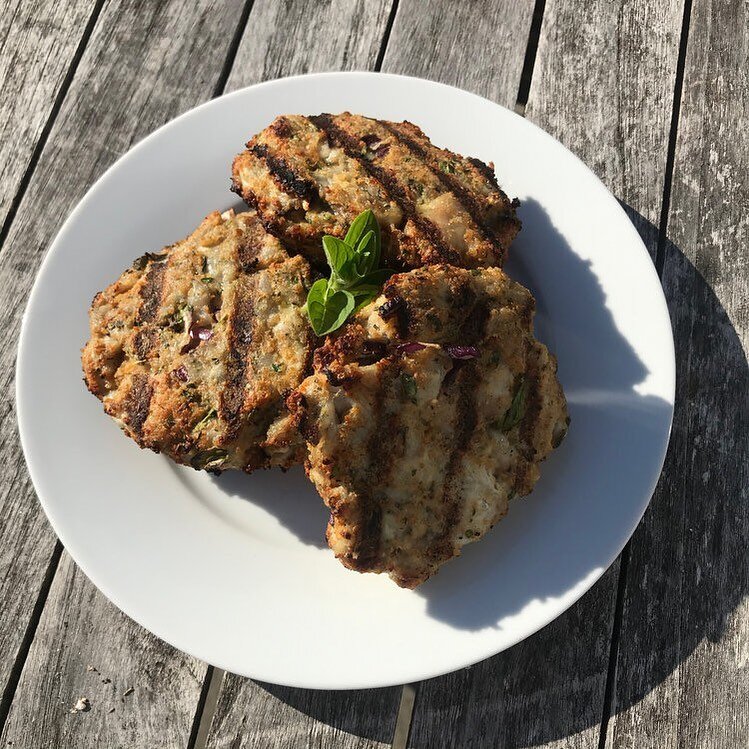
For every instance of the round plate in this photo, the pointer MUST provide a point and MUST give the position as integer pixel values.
(235, 570)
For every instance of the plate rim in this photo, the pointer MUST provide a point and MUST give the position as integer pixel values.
(21, 406)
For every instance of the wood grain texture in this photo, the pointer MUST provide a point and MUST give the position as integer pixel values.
(253, 715)
(683, 666)
(546, 691)
(479, 46)
(38, 41)
(131, 47)
(308, 36)
(603, 84)
(288, 39)
(140, 692)
(37, 44)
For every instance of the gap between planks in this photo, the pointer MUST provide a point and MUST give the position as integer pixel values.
(214, 678)
(671, 152)
(42, 142)
(9, 692)
(609, 700)
(526, 76)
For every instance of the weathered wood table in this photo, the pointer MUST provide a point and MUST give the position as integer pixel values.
(654, 96)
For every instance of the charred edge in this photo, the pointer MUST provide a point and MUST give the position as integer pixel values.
(240, 326)
(138, 403)
(325, 123)
(285, 176)
(150, 293)
(468, 202)
(487, 172)
(299, 408)
(399, 308)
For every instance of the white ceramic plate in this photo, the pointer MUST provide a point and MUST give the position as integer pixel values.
(235, 570)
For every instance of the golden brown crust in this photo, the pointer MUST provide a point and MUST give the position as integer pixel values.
(310, 176)
(193, 350)
(409, 418)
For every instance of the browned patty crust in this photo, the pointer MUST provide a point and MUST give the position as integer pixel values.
(426, 415)
(193, 350)
(310, 176)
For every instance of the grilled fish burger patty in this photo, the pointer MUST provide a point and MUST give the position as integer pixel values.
(310, 176)
(193, 350)
(426, 416)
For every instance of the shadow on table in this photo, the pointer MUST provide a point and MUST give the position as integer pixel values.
(687, 565)
(686, 554)
(582, 508)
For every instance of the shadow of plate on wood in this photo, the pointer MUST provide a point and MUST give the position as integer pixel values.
(533, 673)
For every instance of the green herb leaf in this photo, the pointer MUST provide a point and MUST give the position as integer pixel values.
(368, 254)
(363, 295)
(207, 279)
(211, 414)
(409, 386)
(340, 258)
(376, 277)
(328, 311)
(364, 223)
(516, 411)
(370, 287)
(355, 279)
(276, 367)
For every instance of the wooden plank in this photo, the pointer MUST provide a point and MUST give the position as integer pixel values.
(131, 47)
(682, 676)
(602, 83)
(308, 36)
(479, 46)
(38, 43)
(287, 39)
(137, 691)
(253, 715)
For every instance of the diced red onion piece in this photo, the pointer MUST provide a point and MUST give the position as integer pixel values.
(462, 352)
(181, 373)
(410, 348)
(197, 334)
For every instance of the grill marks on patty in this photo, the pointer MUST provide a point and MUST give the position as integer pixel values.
(390, 182)
(182, 360)
(309, 176)
(409, 449)
(150, 292)
(384, 445)
(285, 176)
(138, 403)
(240, 337)
(500, 233)
(465, 421)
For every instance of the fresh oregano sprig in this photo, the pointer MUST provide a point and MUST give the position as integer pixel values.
(355, 278)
